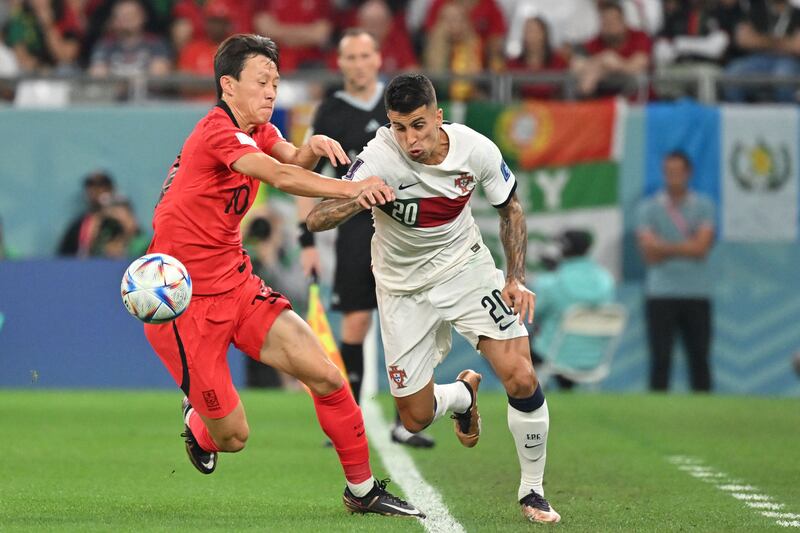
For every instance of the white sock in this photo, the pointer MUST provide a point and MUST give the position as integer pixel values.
(453, 397)
(361, 489)
(530, 437)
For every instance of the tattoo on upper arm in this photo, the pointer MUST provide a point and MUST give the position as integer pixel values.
(330, 213)
(514, 236)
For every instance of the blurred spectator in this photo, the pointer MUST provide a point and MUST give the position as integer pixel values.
(301, 29)
(376, 18)
(197, 57)
(486, 20)
(190, 19)
(44, 35)
(675, 230)
(264, 241)
(537, 55)
(770, 38)
(572, 22)
(107, 226)
(454, 47)
(692, 44)
(611, 62)
(127, 49)
(578, 279)
(8, 61)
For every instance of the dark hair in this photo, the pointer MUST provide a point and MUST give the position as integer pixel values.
(680, 154)
(575, 243)
(408, 92)
(260, 229)
(548, 48)
(355, 32)
(98, 178)
(236, 49)
(611, 4)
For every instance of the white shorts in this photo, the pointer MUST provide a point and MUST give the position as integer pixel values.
(416, 328)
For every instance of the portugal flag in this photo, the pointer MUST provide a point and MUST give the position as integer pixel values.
(318, 321)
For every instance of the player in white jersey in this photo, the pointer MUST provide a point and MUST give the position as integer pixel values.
(434, 273)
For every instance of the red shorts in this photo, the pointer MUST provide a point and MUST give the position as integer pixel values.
(194, 347)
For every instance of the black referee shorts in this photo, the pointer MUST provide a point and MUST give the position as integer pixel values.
(353, 283)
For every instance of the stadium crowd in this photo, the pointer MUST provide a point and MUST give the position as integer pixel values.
(606, 46)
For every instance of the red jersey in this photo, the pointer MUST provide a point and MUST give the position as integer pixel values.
(485, 15)
(635, 42)
(198, 217)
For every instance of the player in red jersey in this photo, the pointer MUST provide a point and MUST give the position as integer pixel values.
(210, 187)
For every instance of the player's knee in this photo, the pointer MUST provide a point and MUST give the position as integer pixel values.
(415, 421)
(234, 443)
(328, 381)
(520, 384)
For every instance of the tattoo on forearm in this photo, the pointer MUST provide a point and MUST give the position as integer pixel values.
(514, 236)
(330, 213)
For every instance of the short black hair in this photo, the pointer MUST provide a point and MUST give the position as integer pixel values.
(408, 92)
(98, 178)
(236, 49)
(680, 154)
(575, 243)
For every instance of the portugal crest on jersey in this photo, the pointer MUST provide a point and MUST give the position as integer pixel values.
(398, 375)
(465, 182)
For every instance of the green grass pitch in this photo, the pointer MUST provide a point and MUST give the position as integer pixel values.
(103, 461)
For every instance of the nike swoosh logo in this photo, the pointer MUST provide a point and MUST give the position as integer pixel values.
(359, 433)
(209, 464)
(503, 328)
(535, 445)
(404, 186)
(402, 510)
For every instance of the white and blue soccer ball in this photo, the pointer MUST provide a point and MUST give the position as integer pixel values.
(156, 288)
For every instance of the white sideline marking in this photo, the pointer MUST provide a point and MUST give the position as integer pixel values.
(787, 516)
(404, 472)
(765, 505)
(751, 497)
(736, 488)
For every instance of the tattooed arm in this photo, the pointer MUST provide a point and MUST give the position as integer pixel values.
(330, 213)
(514, 236)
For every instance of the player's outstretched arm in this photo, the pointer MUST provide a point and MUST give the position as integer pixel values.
(298, 181)
(514, 236)
(309, 154)
(330, 213)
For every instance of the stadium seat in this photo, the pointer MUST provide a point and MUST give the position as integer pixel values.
(585, 343)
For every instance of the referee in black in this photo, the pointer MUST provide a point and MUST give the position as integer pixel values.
(352, 116)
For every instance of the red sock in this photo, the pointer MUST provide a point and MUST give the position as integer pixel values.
(342, 422)
(200, 432)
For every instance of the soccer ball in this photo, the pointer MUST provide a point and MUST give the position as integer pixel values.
(156, 288)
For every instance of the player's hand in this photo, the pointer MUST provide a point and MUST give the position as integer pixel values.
(324, 146)
(376, 195)
(309, 261)
(519, 298)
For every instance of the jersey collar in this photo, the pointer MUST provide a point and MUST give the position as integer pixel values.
(224, 106)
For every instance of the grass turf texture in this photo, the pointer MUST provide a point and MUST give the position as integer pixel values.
(114, 461)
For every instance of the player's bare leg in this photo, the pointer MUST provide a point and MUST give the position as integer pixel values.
(528, 420)
(205, 436)
(291, 346)
(355, 325)
(422, 408)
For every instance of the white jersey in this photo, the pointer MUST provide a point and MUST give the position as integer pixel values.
(429, 230)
